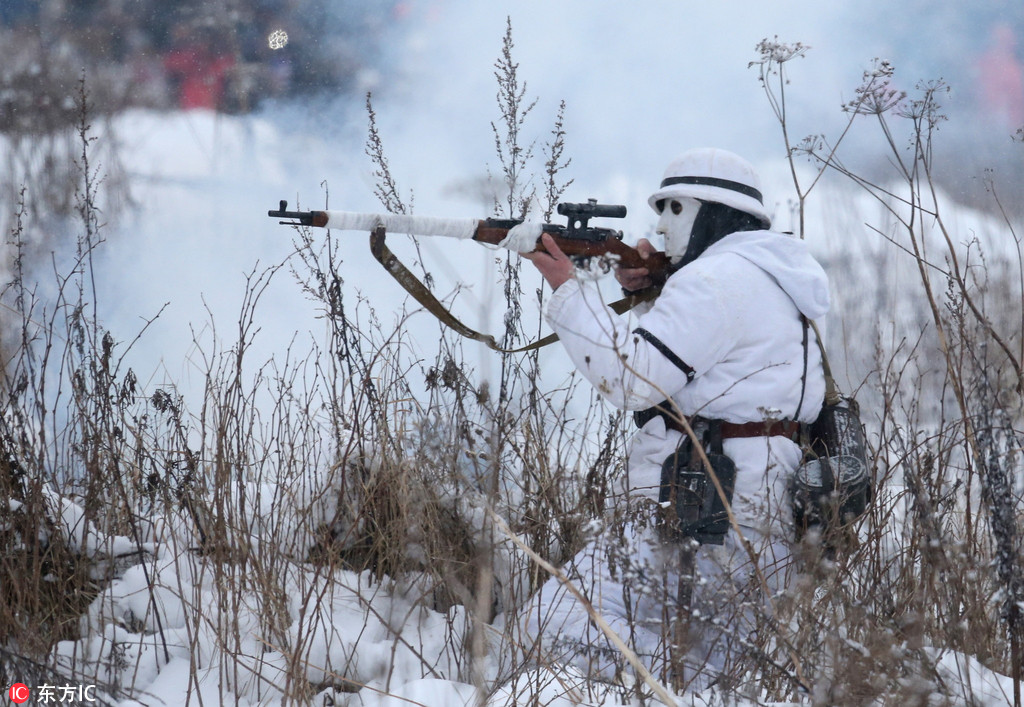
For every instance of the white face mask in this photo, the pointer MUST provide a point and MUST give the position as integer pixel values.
(676, 223)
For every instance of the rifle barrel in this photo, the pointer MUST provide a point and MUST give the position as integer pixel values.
(401, 223)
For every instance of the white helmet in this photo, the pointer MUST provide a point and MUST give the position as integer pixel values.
(710, 174)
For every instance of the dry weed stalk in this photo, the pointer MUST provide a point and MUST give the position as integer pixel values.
(919, 575)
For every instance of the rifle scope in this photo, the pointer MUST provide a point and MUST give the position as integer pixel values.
(592, 209)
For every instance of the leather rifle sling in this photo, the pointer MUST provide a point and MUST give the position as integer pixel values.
(422, 294)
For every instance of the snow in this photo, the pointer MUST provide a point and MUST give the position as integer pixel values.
(991, 688)
(342, 624)
(424, 691)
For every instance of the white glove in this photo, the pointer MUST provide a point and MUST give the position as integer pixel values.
(523, 238)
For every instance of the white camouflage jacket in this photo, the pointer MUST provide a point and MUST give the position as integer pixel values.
(723, 340)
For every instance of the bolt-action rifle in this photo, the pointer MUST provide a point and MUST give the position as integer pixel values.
(577, 239)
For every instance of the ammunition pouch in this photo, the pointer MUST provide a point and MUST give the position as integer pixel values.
(833, 486)
(693, 507)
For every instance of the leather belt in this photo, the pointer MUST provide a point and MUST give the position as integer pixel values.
(732, 430)
(778, 428)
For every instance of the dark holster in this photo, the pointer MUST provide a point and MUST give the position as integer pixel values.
(687, 487)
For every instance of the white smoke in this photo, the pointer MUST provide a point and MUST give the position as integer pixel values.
(642, 82)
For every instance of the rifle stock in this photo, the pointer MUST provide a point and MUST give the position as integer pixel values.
(577, 239)
(611, 247)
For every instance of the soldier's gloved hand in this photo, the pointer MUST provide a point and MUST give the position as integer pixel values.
(635, 279)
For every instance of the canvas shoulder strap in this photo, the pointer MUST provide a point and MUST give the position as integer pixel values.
(832, 394)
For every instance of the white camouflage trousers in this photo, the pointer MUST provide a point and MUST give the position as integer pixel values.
(632, 578)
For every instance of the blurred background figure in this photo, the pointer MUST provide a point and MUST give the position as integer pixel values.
(197, 68)
(1001, 78)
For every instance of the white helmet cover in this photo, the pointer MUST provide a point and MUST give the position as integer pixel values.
(710, 174)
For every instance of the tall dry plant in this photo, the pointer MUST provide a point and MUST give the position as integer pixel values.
(247, 509)
(67, 437)
(423, 470)
(937, 566)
